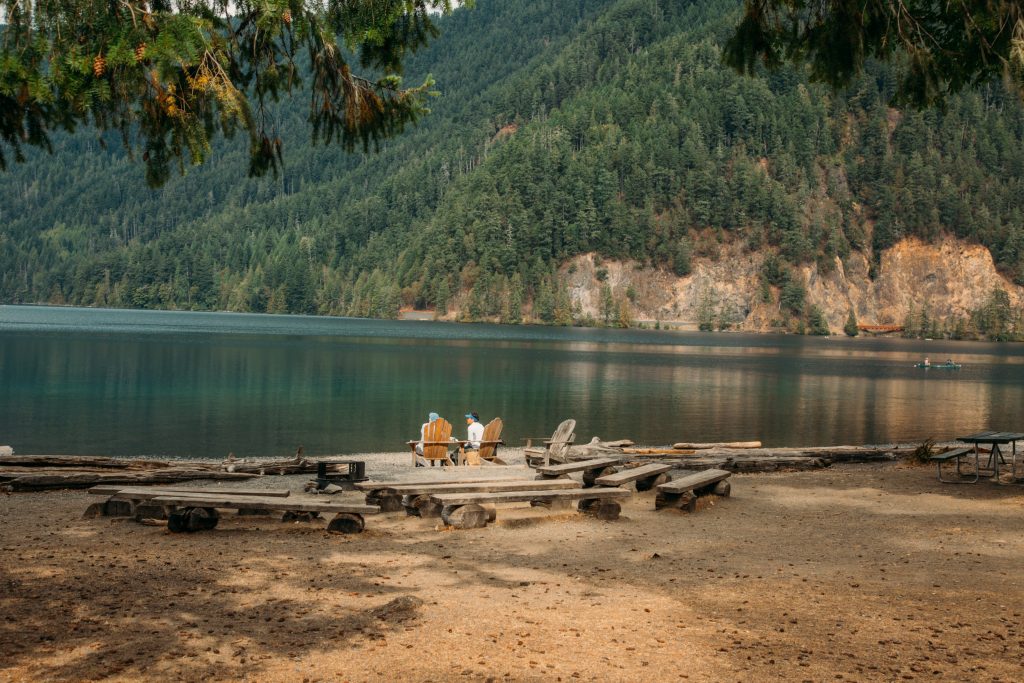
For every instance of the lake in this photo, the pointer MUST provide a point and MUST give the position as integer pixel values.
(179, 384)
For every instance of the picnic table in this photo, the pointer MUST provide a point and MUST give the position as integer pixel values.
(994, 440)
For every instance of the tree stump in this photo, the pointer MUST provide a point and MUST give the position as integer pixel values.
(591, 476)
(388, 502)
(607, 510)
(346, 523)
(177, 521)
(93, 511)
(118, 508)
(651, 482)
(683, 501)
(192, 519)
(723, 488)
(470, 516)
(202, 519)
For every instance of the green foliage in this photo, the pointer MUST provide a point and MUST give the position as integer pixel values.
(850, 327)
(816, 323)
(585, 126)
(174, 74)
(944, 47)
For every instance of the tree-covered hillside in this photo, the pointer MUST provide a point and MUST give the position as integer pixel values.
(564, 126)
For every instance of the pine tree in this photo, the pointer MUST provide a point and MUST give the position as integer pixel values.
(850, 328)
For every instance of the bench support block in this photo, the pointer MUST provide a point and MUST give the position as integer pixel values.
(346, 523)
(192, 519)
(387, 502)
(470, 516)
(607, 510)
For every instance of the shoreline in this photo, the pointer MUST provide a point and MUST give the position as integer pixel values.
(846, 573)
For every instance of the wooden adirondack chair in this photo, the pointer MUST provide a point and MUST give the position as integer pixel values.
(436, 442)
(556, 448)
(488, 445)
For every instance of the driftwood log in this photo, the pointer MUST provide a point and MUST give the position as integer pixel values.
(84, 480)
(686, 445)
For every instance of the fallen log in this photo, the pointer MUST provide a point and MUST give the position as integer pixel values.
(90, 461)
(657, 451)
(74, 480)
(727, 444)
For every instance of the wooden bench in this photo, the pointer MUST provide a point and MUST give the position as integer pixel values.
(956, 453)
(379, 493)
(467, 511)
(645, 476)
(131, 501)
(348, 518)
(593, 468)
(686, 486)
(196, 509)
(416, 498)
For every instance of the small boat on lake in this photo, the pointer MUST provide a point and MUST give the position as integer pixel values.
(948, 365)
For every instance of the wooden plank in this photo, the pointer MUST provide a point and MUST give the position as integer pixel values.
(159, 490)
(658, 451)
(127, 478)
(295, 504)
(723, 444)
(526, 496)
(485, 487)
(688, 482)
(444, 478)
(633, 474)
(581, 466)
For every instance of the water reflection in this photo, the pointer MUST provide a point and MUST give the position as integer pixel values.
(92, 387)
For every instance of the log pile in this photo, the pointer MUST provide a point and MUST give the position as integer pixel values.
(47, 472)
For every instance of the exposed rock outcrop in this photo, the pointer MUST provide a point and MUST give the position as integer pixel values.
(948, 278)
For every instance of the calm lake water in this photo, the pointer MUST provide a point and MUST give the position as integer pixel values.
(106, 382)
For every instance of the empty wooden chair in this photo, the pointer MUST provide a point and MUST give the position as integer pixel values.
(556, 448)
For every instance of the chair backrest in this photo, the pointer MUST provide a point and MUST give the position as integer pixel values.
(492, 432)
(559, 445)
(438, 430)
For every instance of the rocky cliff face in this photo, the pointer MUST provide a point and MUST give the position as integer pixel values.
(948, 278)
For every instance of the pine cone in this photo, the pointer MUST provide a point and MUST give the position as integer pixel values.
(287, 16)
(99, 66)
(140, 52)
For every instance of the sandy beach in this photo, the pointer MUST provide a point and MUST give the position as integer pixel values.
(855, 572)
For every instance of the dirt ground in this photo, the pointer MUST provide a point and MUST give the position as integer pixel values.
(856, 572)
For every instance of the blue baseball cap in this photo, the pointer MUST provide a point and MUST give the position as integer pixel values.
(474, 416)
(433, 416)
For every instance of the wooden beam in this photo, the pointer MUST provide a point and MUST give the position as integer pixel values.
(295, 504)
(633, 474)
(526, 496)
(151, 491)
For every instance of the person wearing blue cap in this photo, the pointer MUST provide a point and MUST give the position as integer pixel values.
(474, 431)
(432, 417)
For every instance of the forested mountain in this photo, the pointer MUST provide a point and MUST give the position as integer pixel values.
(563, 127)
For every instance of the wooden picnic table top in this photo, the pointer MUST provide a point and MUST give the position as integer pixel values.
(579, 465)
(293, 504)
(156, 490)
(991, 437)
(484, 487)
(526, 496)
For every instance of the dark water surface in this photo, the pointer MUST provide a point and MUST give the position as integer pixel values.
(87, 381)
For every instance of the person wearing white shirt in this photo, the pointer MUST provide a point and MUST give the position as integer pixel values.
(474, 431)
